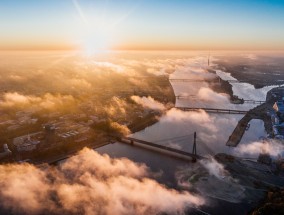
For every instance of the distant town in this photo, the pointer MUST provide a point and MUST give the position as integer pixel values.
(36, 135)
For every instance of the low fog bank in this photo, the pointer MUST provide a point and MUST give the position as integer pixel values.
(245, 90)
(89, 183)
(47, 101)
(148, 102)
(259, 69)
(274, 148)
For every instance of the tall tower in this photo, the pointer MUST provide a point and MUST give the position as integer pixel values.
(194, 144)
(194, 147)
(209, 59)
(50, 136)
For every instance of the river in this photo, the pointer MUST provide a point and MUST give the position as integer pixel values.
(175, 129)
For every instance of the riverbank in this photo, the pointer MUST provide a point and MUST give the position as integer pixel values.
(273, 203)
(168, 99)
(221, 86)
(260, 72)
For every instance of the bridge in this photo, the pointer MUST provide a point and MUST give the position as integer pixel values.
(213, 110)
(186, 97)
(162, 148)
(188, 80)
(194, 97)
(254, 102)
(204, 80)
(230, 81)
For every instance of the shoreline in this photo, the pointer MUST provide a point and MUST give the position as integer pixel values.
(151, 119)
(147, 121)
(225, 87)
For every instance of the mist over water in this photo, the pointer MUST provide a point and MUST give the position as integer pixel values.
(175, 128)
(245, 90)
(213, 130)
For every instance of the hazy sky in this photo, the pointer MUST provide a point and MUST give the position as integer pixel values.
(142, 24)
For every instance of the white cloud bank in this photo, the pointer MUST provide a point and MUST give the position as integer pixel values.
(214, 168)
(273, 148)
(47, 101)
(89, 183)
(206, 94)
(148, 102)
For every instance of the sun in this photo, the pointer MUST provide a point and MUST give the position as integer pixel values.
(96, 31)
(95, 42)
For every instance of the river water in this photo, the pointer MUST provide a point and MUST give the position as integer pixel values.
(176, 128)
(213, 130)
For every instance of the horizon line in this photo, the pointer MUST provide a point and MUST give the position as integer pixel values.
(141, 49)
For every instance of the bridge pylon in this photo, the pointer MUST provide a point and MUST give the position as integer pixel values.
(194, 147)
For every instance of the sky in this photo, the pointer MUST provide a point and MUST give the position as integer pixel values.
(142, 24)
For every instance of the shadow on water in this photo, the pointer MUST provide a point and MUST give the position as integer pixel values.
(164, 168)
(213, 133)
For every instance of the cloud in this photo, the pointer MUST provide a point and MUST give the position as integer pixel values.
(206, 94)
(161, 70)
(148, 102)
(11, 99)
(251, 56)
(139, 83)
(79, 83)
(109, 66)
(271, 147)
(122, 129)
(16, 78)
(199, 117)
(214, 168)
(116, 107)
(89, 183)
(211, 179)
(192, 72)
(48, 101)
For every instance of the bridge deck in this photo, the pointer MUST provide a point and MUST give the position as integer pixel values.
(187, 80)
(203, 80)
(213, 110)
(166, 148)
(194, 97)
(254, 102)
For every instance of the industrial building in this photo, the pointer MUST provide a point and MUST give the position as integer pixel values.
(27, 142)
(279, 106)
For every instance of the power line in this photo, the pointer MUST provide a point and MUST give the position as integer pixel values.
(172, 138)
(206, 146)
(175, 139)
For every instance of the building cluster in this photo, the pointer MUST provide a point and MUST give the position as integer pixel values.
(278, 119)
(28, 142)
(21, 119)
(62, 130)
(29, 133)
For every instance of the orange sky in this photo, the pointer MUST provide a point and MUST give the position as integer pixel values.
(142, 25)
